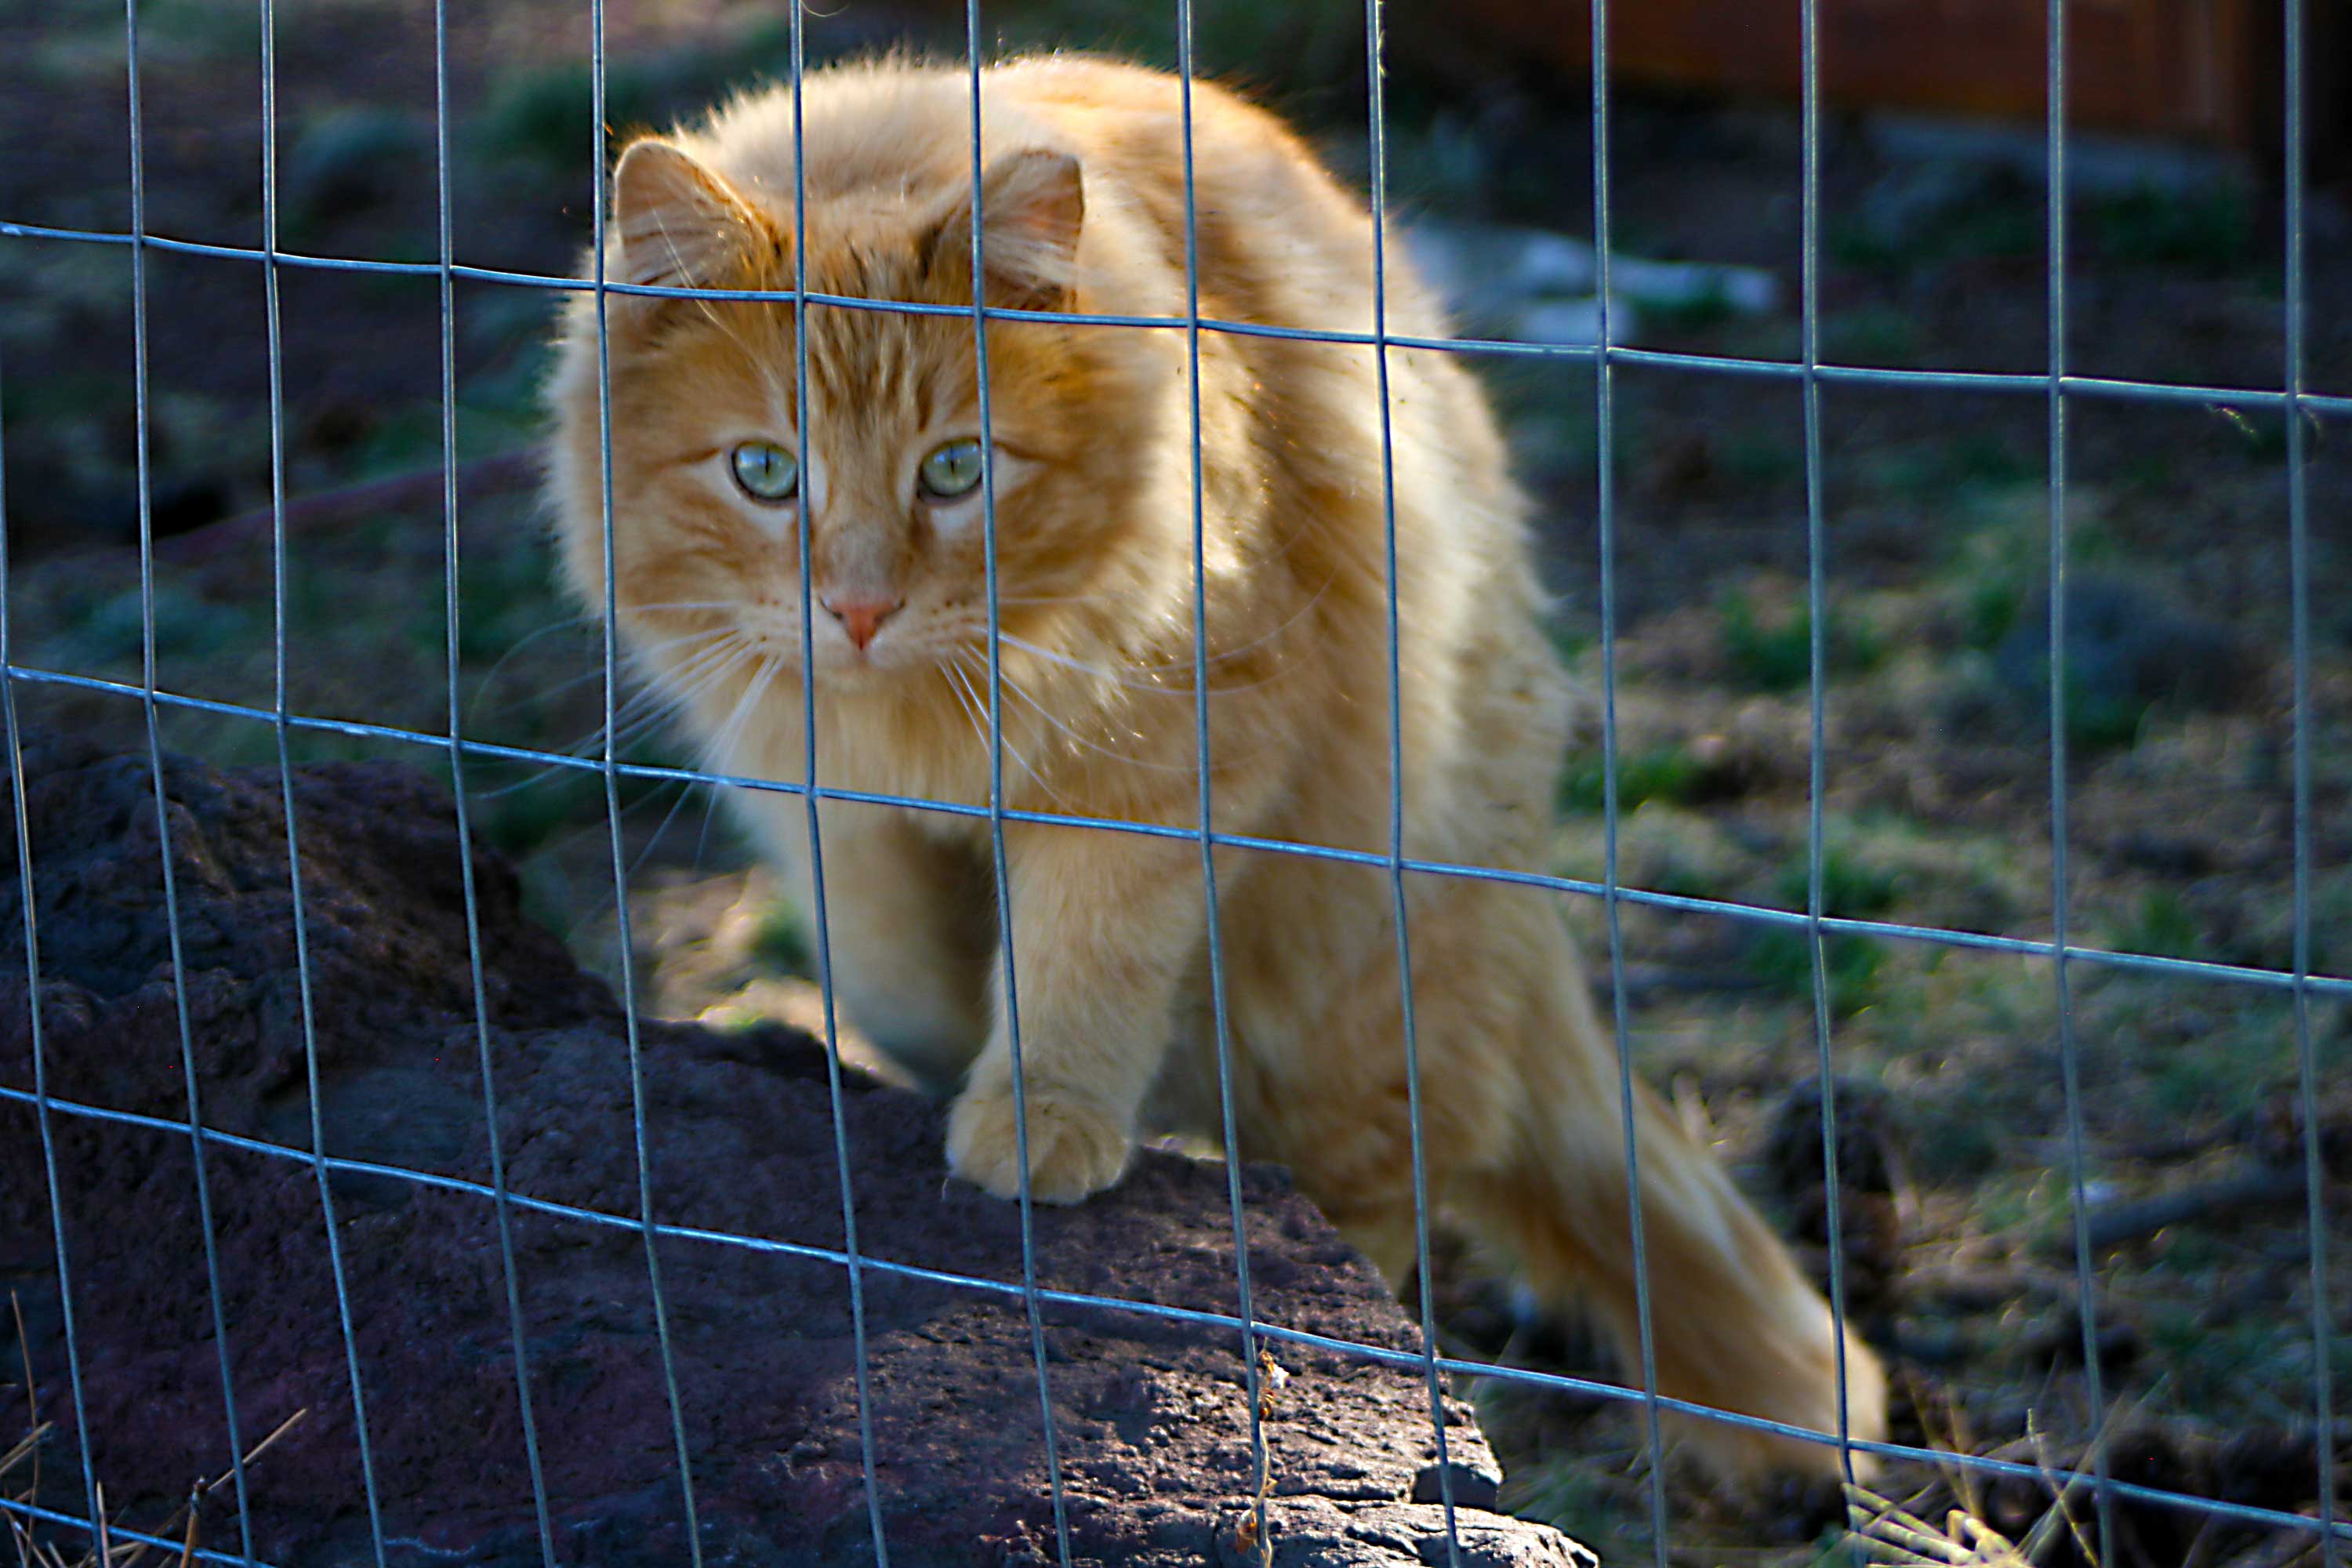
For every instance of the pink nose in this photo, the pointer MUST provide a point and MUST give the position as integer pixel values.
(860, 616)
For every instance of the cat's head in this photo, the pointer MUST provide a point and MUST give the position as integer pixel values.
(710, 474)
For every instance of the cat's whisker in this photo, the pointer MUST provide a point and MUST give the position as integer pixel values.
(959, 688)
(715, 753)
(643, 712)
(1112, 675)
(482, 687)
(677, 701)
(589, 747)
(1289, 621)
(652, 840)
(711, 757)
(686, 791)
(1216, 656)
(1099, 672)
(682, 606)
(1028, 600)
(980, 710)
(712, 760)
(721, 649)
(1084, 742)
(667, 696)
(643, 666)
(974, 706)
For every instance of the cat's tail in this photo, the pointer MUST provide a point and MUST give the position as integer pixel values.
(1735, 1324)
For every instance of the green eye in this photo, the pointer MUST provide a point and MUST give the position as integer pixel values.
(766, 471)
(951, 471)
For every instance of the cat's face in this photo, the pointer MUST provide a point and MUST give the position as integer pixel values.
(716, 477)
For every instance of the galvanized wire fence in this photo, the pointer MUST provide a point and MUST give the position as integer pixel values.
(2059, 387)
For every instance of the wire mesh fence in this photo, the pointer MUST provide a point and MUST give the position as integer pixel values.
(1810, 372)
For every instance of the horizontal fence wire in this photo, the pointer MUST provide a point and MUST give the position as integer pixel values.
(2022, 382)
(2318, 985)
(1410, 1361)
(2058, 386)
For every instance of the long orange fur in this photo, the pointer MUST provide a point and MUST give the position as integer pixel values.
(1083, 208)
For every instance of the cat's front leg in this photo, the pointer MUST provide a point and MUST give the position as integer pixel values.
(1102, 926)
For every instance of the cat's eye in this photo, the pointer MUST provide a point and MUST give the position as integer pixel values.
(766, 471)
(951, 471)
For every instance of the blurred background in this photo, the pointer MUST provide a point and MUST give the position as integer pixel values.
(1936, 503)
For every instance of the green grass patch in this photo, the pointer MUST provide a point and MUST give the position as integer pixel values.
(1569, 1496)
(2001, 224)
(1699, 312)
(1782, 957)
(1759, 462)
(1988, 610)
(1775, 654)
(780, 942)
(112, 633)
(1928, 474)
(1662, 772)
(1956, 1148)
(2216, 1360)
(2098, 723)
(1871, 334)
(2209, 231)
(546, 116)
(2160, 925)
(1852, 888)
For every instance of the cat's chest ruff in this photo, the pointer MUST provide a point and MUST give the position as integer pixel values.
(885, 743)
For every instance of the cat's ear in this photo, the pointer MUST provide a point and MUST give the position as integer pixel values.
(1031, 205)
(680, 225)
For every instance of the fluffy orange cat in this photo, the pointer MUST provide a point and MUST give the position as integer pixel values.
(1083, 208)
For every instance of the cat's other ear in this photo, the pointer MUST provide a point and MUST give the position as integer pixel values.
(679, 224)
(1031, 205)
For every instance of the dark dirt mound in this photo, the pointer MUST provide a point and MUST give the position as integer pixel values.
(1149, 1413)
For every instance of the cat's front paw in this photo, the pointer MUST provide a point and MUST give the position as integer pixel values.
(1076, 1148)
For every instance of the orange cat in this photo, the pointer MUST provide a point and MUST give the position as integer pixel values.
(1083, 208)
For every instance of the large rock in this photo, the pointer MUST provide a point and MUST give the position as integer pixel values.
(1148, 1413)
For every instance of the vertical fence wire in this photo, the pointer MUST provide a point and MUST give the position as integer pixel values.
(1220, 1019)
(611, 776)
(2069, 1054)
(501, 1207)
(162, 818)
(1605, 509)
(1378, 201)
(805, 428)
(996, 794)
(36, 1038)
(282, 710)
(1817, 664)
(2299, 614)
(163, 814)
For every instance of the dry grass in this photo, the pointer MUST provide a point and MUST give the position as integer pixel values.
(20, 1485)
